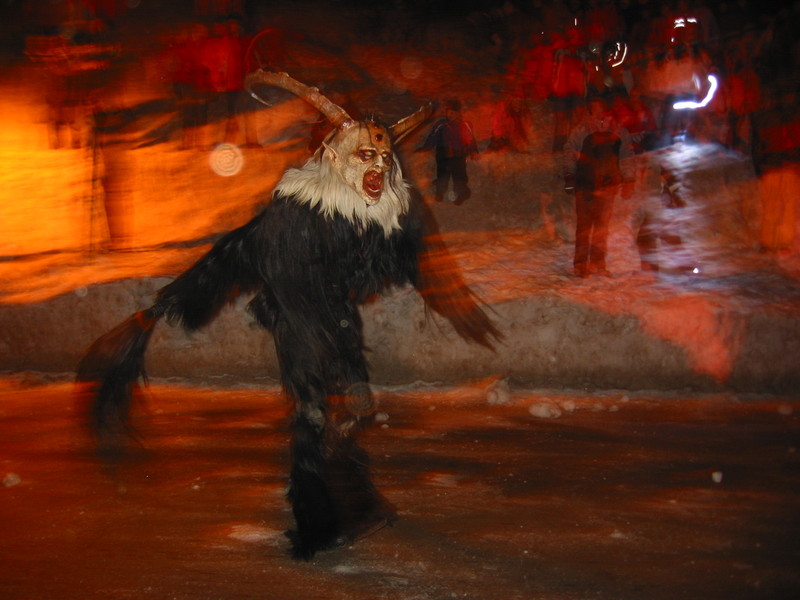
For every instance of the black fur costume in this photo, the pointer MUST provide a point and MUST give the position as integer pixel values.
(307, 272)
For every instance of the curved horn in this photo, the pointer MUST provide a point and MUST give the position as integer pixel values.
(405, 126)
(334, 113)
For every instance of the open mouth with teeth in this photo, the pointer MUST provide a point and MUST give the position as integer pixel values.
(373, 186)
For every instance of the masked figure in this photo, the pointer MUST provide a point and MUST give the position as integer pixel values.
(338, 230)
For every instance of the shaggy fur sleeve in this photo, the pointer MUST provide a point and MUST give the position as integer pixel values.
(229, 269)
(439, 280)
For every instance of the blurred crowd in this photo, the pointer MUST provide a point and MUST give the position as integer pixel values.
(626, 77)
(736, 61)
(86, 61)
(643, 56)
(203, 60)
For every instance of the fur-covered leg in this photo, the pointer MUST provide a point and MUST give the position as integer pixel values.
(362, 509)
(333, 499)
(312, 505)
(332, 495)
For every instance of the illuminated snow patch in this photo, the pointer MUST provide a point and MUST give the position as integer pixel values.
(545, 410)
(498, 392)
(11, 479)
(254, 534)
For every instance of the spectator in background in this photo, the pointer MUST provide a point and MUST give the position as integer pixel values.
(596, 162)
(453, 141)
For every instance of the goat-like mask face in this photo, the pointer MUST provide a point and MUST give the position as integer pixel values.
(362, 154)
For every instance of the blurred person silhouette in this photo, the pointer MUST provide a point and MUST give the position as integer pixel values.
(511, 119)
(679, 66)
(527, 81)
(656, 225)
(225, 60)
(596, 164)
(74, 61)
(113, 180)
(453, 141)
(659, 189)
(65, 106)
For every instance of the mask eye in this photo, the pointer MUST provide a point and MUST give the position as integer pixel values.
(387, 157)
(366, 155)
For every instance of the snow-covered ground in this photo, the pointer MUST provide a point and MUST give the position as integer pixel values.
(523, 494)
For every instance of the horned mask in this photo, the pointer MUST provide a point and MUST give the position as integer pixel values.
(361, 152)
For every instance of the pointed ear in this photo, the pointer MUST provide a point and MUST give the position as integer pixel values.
(334, 155)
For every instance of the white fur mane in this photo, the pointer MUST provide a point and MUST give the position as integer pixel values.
(319, 185)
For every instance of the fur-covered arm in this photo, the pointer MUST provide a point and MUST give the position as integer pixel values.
(229, 269)
(439, 281)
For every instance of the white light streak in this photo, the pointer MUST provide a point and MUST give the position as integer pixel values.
(692, 105)
(681, 22)
(624, 54)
